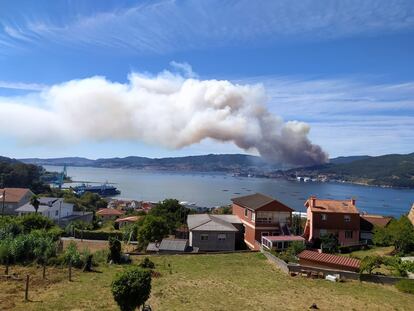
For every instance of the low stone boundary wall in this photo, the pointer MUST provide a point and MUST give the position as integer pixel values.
(343, 274)
(348, 275)
(279, 262)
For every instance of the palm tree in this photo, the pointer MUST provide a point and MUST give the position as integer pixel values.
(35, 202)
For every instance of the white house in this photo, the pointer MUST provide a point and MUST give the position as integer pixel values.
(53, 208)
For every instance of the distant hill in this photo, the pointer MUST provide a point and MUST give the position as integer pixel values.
(210, 162)
(14, 173)
(393, 170)
(344, 160)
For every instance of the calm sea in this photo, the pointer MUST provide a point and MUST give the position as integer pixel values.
(207, 189)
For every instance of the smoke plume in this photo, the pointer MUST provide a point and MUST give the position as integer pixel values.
(168, 110)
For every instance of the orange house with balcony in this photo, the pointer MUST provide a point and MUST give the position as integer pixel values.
(337, 217)
(261, 216)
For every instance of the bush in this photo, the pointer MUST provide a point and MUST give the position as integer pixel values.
(406, 286)
(72, 256)
(35, 221)
(100, 256)
(399, 233)
(329, 244)
(78, 224)
(369, 263)
(114, 250)
(146, 264)
(131, 288)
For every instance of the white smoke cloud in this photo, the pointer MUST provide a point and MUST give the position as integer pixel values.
(168, 110)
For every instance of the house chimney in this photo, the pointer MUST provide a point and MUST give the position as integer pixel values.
(353, 201)
(312, 201)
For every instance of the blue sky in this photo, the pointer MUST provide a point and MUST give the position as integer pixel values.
(343, 67)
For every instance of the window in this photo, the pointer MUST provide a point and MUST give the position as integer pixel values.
(253, 216)
(274, 233)
(264, 217)
(322, 232)
(245, 212)
(347, 218)
(204, 237)
(348, 234)
(221, 236)
(265, 233)
(56, 213)
(324, 216)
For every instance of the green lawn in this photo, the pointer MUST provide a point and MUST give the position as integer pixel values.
(373, 251)
(212, 282)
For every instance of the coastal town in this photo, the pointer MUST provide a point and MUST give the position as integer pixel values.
(220, 155)
(311, 245)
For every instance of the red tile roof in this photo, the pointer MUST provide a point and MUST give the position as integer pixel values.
(14, 195)
(109, 212)
(329, 259)
(258, 200)
(377, 220)
(128, 219)
(331, 206)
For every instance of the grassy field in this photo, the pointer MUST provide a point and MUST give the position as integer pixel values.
(374, 251)
(94, 246)
(204, 282)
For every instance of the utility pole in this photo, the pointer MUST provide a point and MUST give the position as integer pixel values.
(60, 211)
(4, 201)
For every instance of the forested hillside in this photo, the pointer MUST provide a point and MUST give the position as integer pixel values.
(14, 173)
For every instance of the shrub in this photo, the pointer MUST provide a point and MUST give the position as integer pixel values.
(35, 221)
(78, 224)
(146, 263)
(329, 244)
(114, 250)
(131, 288)
(72, 255)
(369, 263)
(406, 286)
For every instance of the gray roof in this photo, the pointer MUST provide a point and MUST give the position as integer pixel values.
(152, 247)
(178, 245)
(208, 222)
(45, 205)
(258, 200)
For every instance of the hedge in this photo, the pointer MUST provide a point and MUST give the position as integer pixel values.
(97, 235)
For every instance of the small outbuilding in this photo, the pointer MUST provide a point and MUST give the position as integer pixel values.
(328, 261)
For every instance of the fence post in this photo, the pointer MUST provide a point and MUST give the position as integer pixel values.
(70, 271)
(26, 291)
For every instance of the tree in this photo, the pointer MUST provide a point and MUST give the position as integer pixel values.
(114, 250)
(72, 256)
(153, 228)
(402, 233)
(6, 254)
(329, 244)
(399, 233)
(382, 236)
(131, 288)
(297, 228)
(45, 248)
(34, 201)
(174, 213)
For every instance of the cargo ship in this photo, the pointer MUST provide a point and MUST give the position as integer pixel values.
(103, 190)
